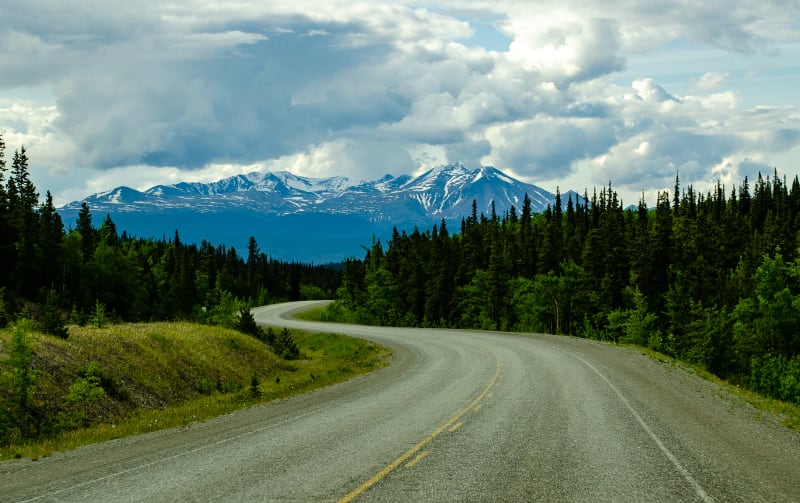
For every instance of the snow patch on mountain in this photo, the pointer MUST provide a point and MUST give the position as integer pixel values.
(442, 192)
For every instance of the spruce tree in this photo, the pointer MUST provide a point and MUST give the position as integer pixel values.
(87, 232)
(7, 252)
(51, 237)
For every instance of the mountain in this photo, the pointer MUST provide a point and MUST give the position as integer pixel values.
(310, 219)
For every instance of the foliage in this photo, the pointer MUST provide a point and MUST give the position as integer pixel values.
(4, 319)
(98, 319)
(50, 320)
(776, 376)
(712, 279)
(285, 345)
(84, 392)
(132, 279)
(18, 417)
(247, 324)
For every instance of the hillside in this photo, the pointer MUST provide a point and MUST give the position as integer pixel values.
(131, 378)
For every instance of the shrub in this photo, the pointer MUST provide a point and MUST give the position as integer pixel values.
(247, 324)
(777, 376)
(98, 319)
(17, 414)
(285, 346)
(86, 390)
(50, 320)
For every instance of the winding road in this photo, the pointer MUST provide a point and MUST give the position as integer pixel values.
(458, 416)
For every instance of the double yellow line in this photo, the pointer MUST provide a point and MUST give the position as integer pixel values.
(406, 455)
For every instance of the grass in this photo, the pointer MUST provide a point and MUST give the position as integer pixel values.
(163, 375)
(316, 314)
(788, 413)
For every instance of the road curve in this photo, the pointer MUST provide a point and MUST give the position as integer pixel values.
(458, 416)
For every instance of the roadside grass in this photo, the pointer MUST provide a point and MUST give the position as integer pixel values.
(788, 413)
(164, 375)
(315, 314)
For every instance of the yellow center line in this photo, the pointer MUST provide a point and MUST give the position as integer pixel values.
(406, 455)
(416, 460)
(455, 427)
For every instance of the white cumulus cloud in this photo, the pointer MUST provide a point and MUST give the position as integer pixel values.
(119, 93)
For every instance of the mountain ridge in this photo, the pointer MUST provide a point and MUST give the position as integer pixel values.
(264, 203)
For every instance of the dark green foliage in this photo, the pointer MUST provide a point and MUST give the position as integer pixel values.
(132, 279)
(285, 346)
(18, 416)
(708, 278)
(255, 392)
(270, 337)
(247, 324)
(51, 321)
(4, 319)
(777, 376)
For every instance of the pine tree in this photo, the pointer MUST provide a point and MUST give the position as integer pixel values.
(247, 324)
(88, 233)
(51, 320)
(285, 346)
(23, 200)
(7, 252)
(51, 237)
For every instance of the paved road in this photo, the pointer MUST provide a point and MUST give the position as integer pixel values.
(458, 416)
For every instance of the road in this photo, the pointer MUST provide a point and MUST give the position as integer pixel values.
(458, 416)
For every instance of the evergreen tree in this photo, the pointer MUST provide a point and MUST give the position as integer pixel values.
(285, 345)
(51, 237)
(23, 200)
(7, 239)
(87, 231)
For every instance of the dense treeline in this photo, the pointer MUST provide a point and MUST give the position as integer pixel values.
(94, 271)
(713, 279)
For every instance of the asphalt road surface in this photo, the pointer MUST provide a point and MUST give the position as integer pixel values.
(458, 416)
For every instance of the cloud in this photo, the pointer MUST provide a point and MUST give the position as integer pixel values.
(709, 81)
(660, 136)
(546, 147)
(363, 88)
(565, 47)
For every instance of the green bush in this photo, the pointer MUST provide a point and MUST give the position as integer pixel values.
(50, 320)
(285, 346)
(84, 392)
(777, 377)
(17, 383)
(98, 318)
(247, 324)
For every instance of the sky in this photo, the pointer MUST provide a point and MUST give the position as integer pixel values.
(562, 94)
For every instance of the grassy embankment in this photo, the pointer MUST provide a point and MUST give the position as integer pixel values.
(162, 375)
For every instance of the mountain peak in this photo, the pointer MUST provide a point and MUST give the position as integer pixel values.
(325, 205)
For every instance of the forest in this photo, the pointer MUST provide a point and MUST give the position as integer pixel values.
(80, 274)
(712, 278)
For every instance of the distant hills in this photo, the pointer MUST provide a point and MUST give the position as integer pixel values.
(310, 219)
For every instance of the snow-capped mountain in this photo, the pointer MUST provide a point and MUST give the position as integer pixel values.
(290, 207)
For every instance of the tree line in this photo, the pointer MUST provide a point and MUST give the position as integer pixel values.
(710, 278)
(92, 271)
